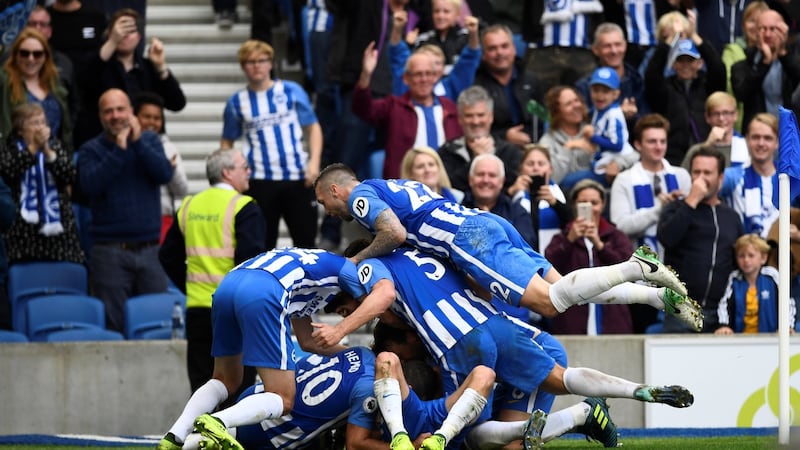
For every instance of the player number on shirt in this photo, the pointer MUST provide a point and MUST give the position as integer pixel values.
(419, 260)
(312, 396)
(498, 289)
(413, 189)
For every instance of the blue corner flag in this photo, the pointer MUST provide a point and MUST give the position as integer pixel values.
(789, 150)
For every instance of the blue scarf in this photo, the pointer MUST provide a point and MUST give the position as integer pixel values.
(39, 194)
(752, 219)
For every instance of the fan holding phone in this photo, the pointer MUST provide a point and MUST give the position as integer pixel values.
(535, 186)
(590, 241)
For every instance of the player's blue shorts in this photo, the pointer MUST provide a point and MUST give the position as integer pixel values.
(427, 416)
(493, 252)
(249, 316)
(505, 347)
(507, 397)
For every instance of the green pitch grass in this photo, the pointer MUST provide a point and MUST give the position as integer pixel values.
(721, 443)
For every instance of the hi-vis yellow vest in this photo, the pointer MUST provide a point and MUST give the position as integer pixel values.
(207, 221)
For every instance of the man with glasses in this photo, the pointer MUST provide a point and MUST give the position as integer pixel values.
(273, 117)
(417, 118)
(771, 70)
(721, 116)
(213, 231)
(640, 193)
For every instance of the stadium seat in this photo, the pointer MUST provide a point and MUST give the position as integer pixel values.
(149, 316)
(51, 313)
(12, 336)
(84, 334)
(28, 280)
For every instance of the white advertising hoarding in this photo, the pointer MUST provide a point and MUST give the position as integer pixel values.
(734, 380)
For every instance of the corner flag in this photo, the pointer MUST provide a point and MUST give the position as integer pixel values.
(789, 150)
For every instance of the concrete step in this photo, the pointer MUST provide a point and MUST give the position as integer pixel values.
(199, 111)
(198, 33)
(194, 13)
(198, 91)
(207, 72)
(223, 52)
(197, 130)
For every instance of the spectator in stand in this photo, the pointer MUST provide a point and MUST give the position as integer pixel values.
(452, 80)
(721, 22)
(7, 215)
(735, 51)
(640, 193)
(503, 75)
(39, 171)
(698, 234)
(446, 33)
(589, 243)
(272, 117)
(29, 76)
(687, 54)
(77, 31)
(551, 211)
(609, 48)
(608, 130)
(770, 72)
(569, 150)
(215, 230)
(121, 171)
(401, 117)
(423, 164)
(475, 116)
(640, 19)
(39, 20)
(149, 109)
(563, 56)
(752, 191)
(721, 115)
(750, 302)
(118, 65)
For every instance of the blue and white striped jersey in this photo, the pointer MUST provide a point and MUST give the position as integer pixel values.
(330, 391)
(271, 123)
(567, 34)
(311, 277)
(432, 296)
(430, 220)
(641, 21)
(317, 16)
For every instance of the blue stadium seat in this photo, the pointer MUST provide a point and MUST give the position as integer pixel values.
(51, 313)
(28, 280)
(12, 336)
(84, 334)
(149, 316)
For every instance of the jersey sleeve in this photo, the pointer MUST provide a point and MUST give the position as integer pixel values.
(231, 122)
(363, 404)
(305, 112)
(365, 205)
(372, 270)
(348, 281)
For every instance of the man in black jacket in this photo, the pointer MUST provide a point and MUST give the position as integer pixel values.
(503, 75)
(698, 234)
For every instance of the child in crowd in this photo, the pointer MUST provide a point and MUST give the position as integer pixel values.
(750, 302)
(608, 129)
(446, 34)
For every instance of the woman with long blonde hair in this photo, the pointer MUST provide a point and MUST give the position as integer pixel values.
(29, 75)
(423, 164)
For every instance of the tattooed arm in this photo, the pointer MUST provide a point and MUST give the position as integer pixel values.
(389, 234)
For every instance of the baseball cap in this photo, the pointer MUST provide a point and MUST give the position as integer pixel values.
(686, 47)
(605, 76)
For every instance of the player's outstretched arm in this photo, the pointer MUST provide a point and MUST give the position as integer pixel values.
(389, 234)
(374, 304)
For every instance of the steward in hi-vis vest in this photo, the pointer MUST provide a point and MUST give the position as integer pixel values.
(213, 231)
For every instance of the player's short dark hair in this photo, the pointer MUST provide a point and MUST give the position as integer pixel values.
(336, 301)
(707, 150)
(422, 378)
(384, 335)
(335, 173)
(356, 246)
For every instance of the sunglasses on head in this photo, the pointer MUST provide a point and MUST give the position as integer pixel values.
(27, 53)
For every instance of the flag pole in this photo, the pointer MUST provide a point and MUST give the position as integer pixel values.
(783, 311)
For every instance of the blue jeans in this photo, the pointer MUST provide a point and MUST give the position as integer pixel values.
(117, 274)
